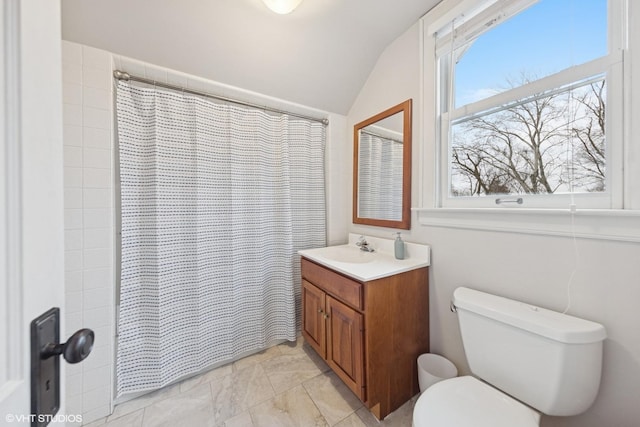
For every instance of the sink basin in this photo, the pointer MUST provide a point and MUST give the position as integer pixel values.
(348, 254)
(364, 266)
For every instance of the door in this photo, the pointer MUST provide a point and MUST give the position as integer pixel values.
(31, 191)
(313, 317)
(345, 351)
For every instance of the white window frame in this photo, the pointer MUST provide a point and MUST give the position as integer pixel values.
(617, 224)
(611, 66)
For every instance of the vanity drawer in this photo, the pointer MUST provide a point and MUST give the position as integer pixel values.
(347, 290)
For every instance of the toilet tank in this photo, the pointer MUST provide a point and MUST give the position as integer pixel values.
(548, 360)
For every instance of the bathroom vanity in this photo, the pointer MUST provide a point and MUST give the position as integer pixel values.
(367, 315)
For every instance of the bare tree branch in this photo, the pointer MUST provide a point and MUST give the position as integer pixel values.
(527, 148)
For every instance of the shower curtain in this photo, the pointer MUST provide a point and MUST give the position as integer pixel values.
(216, 200)
(380, 172)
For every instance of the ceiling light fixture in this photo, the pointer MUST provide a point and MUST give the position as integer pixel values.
(282, 6)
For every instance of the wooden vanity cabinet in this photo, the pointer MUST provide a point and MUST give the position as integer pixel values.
(370, 333)
(335, 331)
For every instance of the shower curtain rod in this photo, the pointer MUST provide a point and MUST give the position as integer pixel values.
(122, 75)
(388, 138)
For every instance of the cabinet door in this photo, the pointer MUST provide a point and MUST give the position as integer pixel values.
(313, 320)
(345, 348)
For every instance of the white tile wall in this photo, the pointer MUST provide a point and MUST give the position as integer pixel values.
(72, 114)
(72, 136)
(89, 233)
(72, 240)
(73, 198)
(96, 278)
(73, 156)
(71, 73)
(96, 78)
(72, 218)
(96, 218)
(97, 138)
(96, 117)
(73, 280)
(96, 198)
(73, 177)
(96, 158)
(73, 261)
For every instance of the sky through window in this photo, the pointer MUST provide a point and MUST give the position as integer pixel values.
(546, 38)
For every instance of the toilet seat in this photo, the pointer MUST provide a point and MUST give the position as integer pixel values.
(468, 402)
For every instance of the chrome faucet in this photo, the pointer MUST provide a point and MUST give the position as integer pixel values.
(364, 245)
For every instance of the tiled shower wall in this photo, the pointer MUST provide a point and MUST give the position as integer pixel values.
(89, 242)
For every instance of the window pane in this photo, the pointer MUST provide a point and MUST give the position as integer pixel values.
(552, 144)
(546, 38)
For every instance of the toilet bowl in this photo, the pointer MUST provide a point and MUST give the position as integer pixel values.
(468, 402)
(526, 360)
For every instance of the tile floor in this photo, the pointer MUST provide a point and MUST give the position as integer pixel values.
(285, 385)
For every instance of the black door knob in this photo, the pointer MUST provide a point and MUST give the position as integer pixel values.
(75, 350)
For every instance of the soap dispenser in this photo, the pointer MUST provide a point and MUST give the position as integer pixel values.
(399, 247)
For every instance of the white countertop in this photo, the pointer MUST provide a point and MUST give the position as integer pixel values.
(365, 266)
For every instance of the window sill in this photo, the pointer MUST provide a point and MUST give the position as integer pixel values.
(604, 224)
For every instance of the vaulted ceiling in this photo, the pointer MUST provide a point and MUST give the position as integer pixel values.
(319, 56)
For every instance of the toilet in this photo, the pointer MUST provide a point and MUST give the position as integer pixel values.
(526, 361)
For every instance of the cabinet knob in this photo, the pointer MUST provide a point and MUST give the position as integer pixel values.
(319, 310)
(326, 316)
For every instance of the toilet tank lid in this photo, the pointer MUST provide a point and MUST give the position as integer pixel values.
(550, 324)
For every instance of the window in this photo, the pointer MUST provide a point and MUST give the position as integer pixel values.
(530, 105)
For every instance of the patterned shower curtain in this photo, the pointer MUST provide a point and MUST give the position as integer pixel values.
(380, 172)
(216, 200)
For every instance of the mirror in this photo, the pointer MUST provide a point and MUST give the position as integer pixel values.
(382, 169)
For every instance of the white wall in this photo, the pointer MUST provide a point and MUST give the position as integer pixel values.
(533, 268)
(338, 179)
(90, 208)
(394, 79)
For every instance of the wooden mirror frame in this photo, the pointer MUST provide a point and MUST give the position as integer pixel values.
(405, 222)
